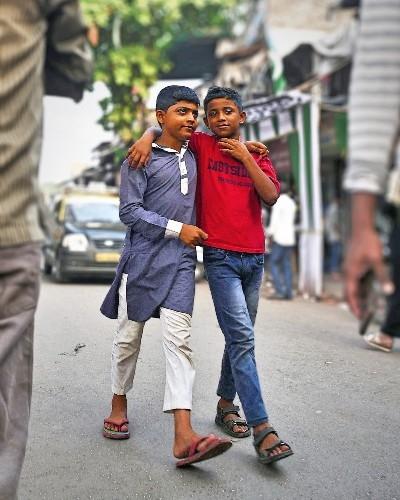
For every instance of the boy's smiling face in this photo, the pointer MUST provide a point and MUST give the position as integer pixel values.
(179, 120)
(224, 118)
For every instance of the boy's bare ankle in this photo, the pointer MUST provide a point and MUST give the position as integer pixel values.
(224, 403)
(260, 427)
(119, 403)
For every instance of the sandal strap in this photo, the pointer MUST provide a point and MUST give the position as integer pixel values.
(193, 447)
(118, 423)
(240, 422)
(277, 443)
(260, 436)
(229, 410)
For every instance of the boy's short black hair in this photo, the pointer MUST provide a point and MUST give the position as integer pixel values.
(170, 95)
(223, 92)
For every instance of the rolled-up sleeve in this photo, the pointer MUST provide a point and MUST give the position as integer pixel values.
(374, 105)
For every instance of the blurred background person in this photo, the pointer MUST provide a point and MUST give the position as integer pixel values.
(282, 230)
(28, 30)
(373, 134)
(333, 238)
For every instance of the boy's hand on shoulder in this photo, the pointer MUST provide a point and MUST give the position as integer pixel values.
(257, 148)
(234, 148)
(139, 153)
(192, 235)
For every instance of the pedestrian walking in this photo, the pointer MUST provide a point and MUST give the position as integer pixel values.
(333, 238)
(282, 230)
(374, 124)
(155, 276)
(27, 31)
(232, 183)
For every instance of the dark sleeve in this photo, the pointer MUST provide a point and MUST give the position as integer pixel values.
(131, 212)
(69, 65)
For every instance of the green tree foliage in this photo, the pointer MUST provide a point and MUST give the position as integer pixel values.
(132, 38)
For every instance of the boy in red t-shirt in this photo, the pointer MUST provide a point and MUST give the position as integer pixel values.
(231, 185)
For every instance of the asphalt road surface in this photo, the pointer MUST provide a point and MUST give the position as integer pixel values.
(333, 399)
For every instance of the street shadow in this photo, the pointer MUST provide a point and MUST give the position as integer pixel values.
(196, 472)
(274, 471)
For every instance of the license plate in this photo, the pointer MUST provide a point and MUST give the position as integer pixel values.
(107, 257)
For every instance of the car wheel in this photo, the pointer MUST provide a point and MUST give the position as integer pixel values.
(47, 268)
(58, 271)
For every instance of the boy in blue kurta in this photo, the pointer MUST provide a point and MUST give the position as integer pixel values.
(155, 276)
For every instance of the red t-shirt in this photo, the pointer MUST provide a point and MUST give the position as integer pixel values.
(228, 206)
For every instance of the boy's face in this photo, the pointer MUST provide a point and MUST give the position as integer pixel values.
(179, 120)
(224, 118)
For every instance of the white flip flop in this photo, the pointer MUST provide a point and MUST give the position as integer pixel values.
(370, 339)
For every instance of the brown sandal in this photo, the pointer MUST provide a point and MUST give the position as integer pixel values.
(228, 425)
(264, 456)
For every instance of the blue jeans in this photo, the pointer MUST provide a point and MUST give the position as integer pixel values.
(281, 269)
(235, 279)
(334, 256)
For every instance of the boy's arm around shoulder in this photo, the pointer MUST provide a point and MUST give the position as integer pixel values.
(139, 153)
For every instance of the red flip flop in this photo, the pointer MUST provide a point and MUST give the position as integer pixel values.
(116, 434)
(215, 447)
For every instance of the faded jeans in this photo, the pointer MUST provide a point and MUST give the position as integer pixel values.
(235, 279)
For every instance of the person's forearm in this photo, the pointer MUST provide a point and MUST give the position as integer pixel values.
(264, 186)
(363, 207)
(152, 133)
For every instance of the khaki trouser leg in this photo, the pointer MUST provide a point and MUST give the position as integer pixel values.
(126, 346)
(19, 290)
(179, 360)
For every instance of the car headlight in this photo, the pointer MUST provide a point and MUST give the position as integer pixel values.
(75, 242)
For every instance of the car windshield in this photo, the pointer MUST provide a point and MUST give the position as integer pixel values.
(93, 211)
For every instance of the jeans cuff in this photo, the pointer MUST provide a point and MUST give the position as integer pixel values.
(259, 421)
(225, 395)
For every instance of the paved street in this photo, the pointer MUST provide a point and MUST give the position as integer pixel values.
(334, 400)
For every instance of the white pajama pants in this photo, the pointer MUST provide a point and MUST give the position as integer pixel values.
(178, 354)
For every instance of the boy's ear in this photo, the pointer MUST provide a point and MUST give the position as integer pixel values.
(160, 115)
(243, 117)
(205, 120)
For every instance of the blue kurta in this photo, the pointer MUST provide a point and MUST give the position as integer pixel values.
(160, 269)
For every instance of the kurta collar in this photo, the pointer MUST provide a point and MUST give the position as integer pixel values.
(181, 162)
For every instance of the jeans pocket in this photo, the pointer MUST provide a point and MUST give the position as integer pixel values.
(215, 255)
(259, 258)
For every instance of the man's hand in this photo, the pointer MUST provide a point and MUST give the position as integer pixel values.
(257, 148)
(234, 148)
(364, 253)
(139, 153)
(192, 235)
